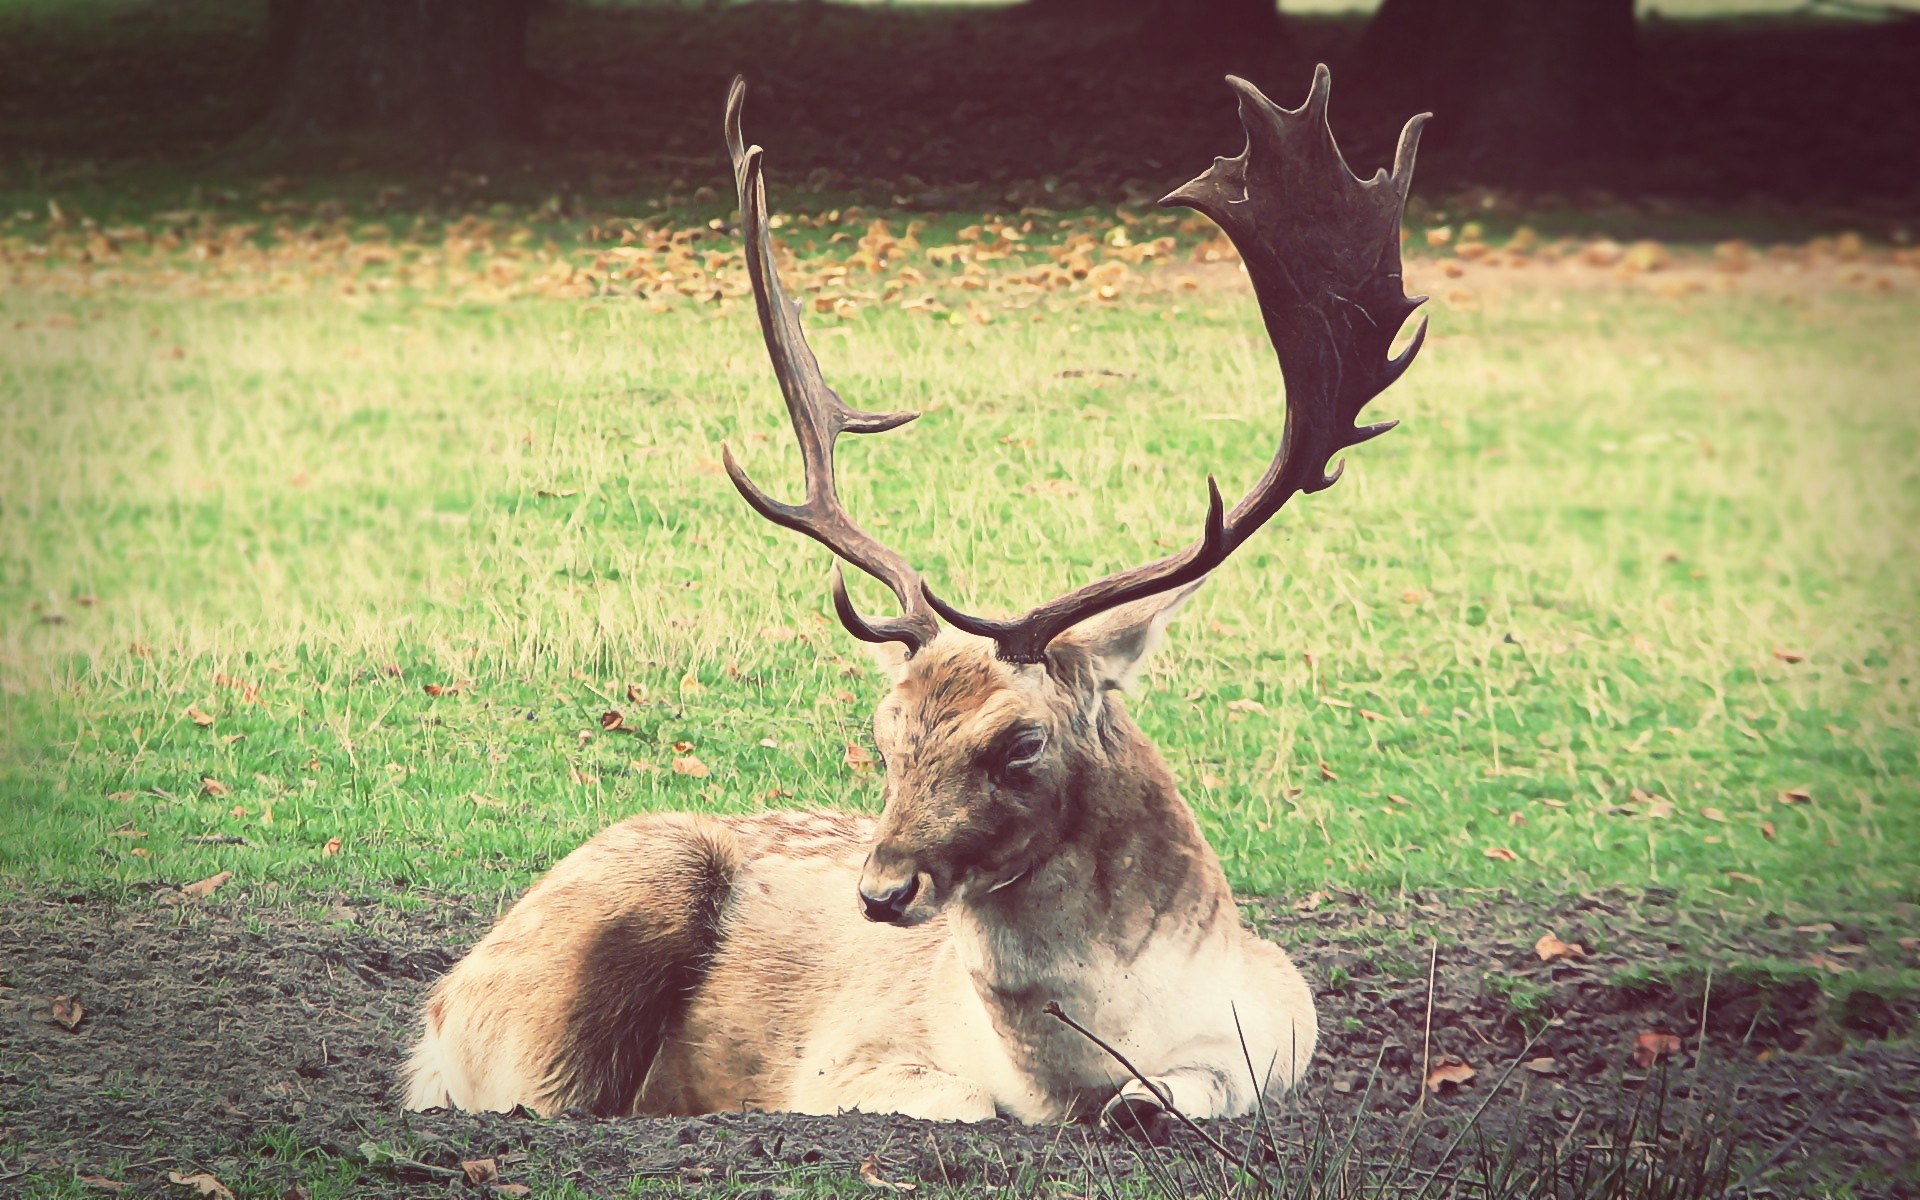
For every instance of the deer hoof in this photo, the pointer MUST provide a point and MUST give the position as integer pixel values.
(1141, 1118)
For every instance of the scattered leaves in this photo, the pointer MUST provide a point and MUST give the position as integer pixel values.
(67, 1012)
(202, 1183)
(331, 849)
(1743, 877)
(209, 885)
(870, 1174)
(213, 787)
(1326, 772)
(1540, 1066)
(480, 1170)
(614, 722)
(202, 719)
(1651, 1047)
(691, 686)
(1797, 795)
(1399, 799)
(1500, 854)
(1551, 949)
(1713, 814)
(103, 1183)
(1448, 1071)
(1246, 706)
(858, 758)
(687, 764)
(1788, 656)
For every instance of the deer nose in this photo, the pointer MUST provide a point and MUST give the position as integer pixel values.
(888, 907)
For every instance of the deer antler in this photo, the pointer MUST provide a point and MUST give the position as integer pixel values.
(819, 417)
(1323, 249)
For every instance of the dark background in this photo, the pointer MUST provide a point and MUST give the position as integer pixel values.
(1054, 102)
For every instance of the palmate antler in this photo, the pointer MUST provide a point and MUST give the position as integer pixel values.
(1323, 249)
(819, 417)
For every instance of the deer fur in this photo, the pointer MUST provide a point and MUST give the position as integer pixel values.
(680, 964)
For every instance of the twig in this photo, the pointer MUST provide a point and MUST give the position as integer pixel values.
(1165, 1097)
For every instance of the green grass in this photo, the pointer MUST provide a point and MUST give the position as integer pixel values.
(1562, 579)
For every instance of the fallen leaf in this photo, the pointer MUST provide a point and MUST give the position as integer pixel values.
(1651, 1047)
(589, 779)
(1713, 814)
(1909, 943)
(683, 747)
(511, 1189)
(768, 743)
(1400, 800)
(1448, 1070)
(213, 787)
(103, 1183)
(870, 1173)
(1788, 656)
(209, 885)
(1797, 795)
(1246, 706)
(1766, 830)
(857, 757)
(202, 719)
(1539, 1066)
(67, 1012)
(1743, 877)
(1516, 818)
(690, 685)
(1500, 854)
(687, 764)
(1551, 949)
(636, 693)
(613, 722)
(331, 848)
(480, 1170)
(1326, 772)
(202, 1183)
(1210, 781)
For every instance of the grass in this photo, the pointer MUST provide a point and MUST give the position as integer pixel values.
(1552, 614)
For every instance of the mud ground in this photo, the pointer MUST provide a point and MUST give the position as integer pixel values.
(223, 1037)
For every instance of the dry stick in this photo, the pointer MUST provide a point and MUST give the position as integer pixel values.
(1054, 1010)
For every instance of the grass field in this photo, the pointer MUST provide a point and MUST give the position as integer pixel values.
(1634, 566)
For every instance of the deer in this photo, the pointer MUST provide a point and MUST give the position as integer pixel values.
(1035, 926)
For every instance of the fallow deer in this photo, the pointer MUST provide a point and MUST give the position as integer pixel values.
(1033, 850)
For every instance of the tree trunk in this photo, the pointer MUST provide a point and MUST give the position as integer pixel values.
(1521, 90)
(439, 74)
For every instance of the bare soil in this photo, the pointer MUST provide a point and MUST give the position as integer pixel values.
(223, 1036)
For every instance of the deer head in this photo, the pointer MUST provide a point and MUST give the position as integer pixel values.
(1002, 737)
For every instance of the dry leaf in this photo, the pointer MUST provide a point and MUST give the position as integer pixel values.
(480, 1170)
(202, 1183)
(687, 764)
(1766, 830)
(1551, 949)
(1500, 854)
(213, 787)
(103, 1183)
(613, 722)
(1743, 877)
(1713, 814)
(870, 1173)
(690, 685)
(1539, 1066)
(636, 693)
(67, 1012)
(199, 718)
(1326, 772)
(1400, 800)
(1797, 795)
(857, 757)
(586, 778)
(1246, 706)
(331, 848)
(1448, 1070)
(209, 885)
(1651, 1047)
(1211, 781)
(683, 747)
(511, 1189)
(1788, 656)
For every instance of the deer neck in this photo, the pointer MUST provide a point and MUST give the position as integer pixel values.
(1131, 869)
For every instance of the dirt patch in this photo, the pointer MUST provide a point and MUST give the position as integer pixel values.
(217, 1037)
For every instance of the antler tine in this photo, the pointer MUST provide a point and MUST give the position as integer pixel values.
(1322, 248)
(819, 418)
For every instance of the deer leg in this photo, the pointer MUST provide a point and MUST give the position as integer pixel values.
(910, 1089)
(1201, 1091)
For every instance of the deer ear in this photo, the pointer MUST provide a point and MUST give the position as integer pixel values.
(891, 657)
(1116, 643)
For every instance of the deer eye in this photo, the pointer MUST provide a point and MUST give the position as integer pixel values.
(1019, 749)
